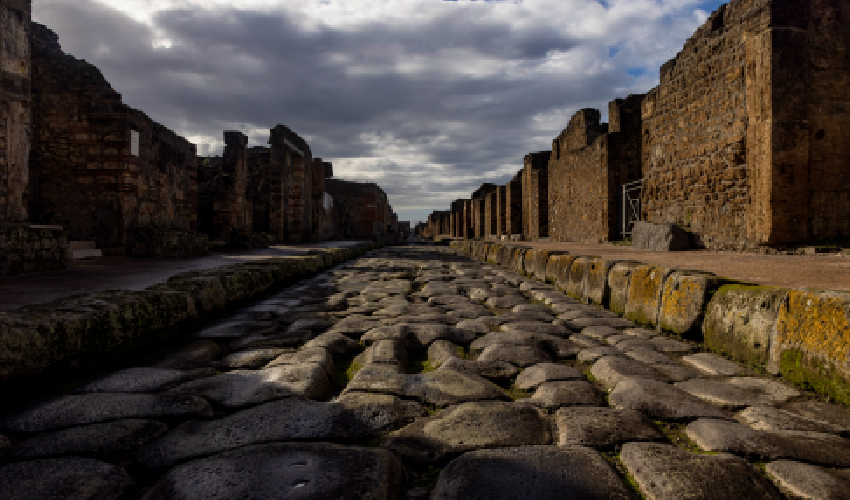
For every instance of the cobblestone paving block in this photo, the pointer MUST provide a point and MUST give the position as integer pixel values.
(228, 329)
(835, 414)
(599, 333)
(610, 370)
(506, 302)
(396, 332)
(441, 387)
(272, 340)
(733, 437)
(473, 327)
(649, 356)
(665, 472)
(65, 478)
(533, 376)
(384, 352)
(142, 379)
(535, 327)
(676, 373)
(712, 364)
(554, 395)
(95, 439)
(353, 415)
(579, 324)
(799, 480)
(441, 351)
(471, 426)
(250, 359)
(498, 338)
(513, 317)
(336, 343)
(592, 354)
(519, 355)
(436, 318)
(306, 355)
(493, 370)
(286, 470)
(538, 308)
(563, 306)
(603, 428)
(539, 472)
(74, 410)
(354, 328)
(660, 400)
(739, 392)
(584, 341)
(458, 315)
(671, 346)
(642, 333)
(768, 418)
(197, 354)
(249, 387)
(627, 342)
(616, 338)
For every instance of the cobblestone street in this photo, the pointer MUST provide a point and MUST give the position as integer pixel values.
(416, 372)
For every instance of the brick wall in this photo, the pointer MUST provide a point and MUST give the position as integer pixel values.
(361, 208)
(514, 206)
(223, 205)
(290, 161)
(501, 213)
(15, 104)
(535, 196)
(85, 176)
(490, 214)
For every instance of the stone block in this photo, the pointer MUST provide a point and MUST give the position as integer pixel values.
(683, 301)
(811, 345)
(739, 321)
(595, 288)
(576, 277)
(659, 237)
(563, 267)
(644, 296)
(619, 277)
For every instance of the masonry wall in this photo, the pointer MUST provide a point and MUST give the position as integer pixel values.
(501, 213)
(259, 169)
(85, 176)
(322, 202)
(361, 208)
(15, 108)
(535, 196)
(290, 163)
(490, 215)
(223, 204)
(514, 206)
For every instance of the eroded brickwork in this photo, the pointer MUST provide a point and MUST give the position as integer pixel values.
(15, 108)
(514, 206)
(361, 208)
(535, 196)
(490, 215)
(223, 205)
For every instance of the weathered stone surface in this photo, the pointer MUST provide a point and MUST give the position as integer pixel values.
(584, 341)
(519, 355)
(247, 387)
(649, 357)
(594, 353)
(683, 301)
(644, 295)
(535, 327)
(228, 329)
(670, 346)
(442, 387)
(470, 426)
(618, 282)
(353, 415)
(473, 326)
(197, 354)
(494, 370)
(665, 472)
(441, 351)
(599, 332)
(334, 342)
(305, 355)
(286, 470)
(251, 359)
(539, 472)
(612, 369)
(676, 373)
(834, 414)
(660, 400)
(535, 375)
(738, 392)
(814, 447)
(799, 480)
(95, 439)
(768, 418)
(66, 478)
(83, 409)
(506, 302)
(712, 364)
(142, 379)
(553, 395)
(580, 324)
(659, 237)
(384, 352)
(603, 428)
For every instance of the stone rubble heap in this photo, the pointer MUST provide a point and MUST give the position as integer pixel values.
(416, 372)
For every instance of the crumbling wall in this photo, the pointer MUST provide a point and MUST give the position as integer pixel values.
(514, 205)
(362, 209)
(89, 177)
(223, 205)
(321, 201)
(501, 211)
(490, 215)
(535, 196)
(15, 108)
(290, 163)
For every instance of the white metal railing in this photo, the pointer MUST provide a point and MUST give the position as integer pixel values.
(631, 205)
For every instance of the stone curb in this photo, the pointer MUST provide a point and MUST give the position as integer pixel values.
(802, 335)
(81, 332)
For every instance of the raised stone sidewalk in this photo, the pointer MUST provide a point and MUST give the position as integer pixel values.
(417, 372)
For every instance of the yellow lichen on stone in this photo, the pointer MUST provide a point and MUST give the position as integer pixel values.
(818, 323)
(644, 294)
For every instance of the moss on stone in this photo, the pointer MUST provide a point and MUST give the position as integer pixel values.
(812, 374)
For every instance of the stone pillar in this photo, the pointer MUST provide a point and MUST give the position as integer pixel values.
(501, 213)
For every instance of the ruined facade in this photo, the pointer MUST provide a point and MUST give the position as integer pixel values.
(513, 206)
(590, 162)
(535, 196)
(290, 162)
(322, 202)
(361, 209)
(224, 209)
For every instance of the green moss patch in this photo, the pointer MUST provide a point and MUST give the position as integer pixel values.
(813, 374)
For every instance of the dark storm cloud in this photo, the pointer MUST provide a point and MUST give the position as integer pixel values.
(413, 107)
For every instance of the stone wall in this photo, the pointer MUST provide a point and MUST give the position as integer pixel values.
(535, 196)
(26, 248)
(590, 162)
(290, 163)
(322, 202)
(490, 215)
(85, 175)
(501, 211)
(223, 205)
(15, 108)
(514, 206)
(362, 209)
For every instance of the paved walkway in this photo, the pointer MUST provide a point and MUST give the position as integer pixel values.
(416, 373)
(823, 271)
(125, 273)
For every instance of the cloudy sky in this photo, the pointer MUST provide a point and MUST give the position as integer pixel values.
(428, 98)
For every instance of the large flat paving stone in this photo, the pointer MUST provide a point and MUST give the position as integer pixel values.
(610, 370)
(250, 387)
(553, 395)
(250, 359)
(769, 418)
(83, 409)
(473, 327)
(441, 387)
(665, 472)
(536, 327)
(506, 302)
(470, 426)
(738, 392)
(671, 346)
(538, 472)
(65, 478)
(591, 354)
(799, 480)
(354, 415)
(733, 437)
(142, 379)
(334, 342)
(533, 376)
(493, 370)
(835, 414)
(712, 364)
(305, 355)
(660, 400)
(519, 355)
(197, 354)
(649, 356)
(94, 439)
(286, 470)
(603, 428)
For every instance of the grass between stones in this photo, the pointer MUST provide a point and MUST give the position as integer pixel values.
(625, 477)
(345, 368)
(675, 432)
(418, 362)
